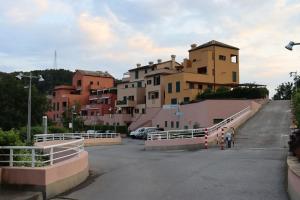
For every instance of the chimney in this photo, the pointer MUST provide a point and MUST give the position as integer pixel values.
(138, 65)
(150, 63)
(193, 46)
(173, 57)
(158, 60)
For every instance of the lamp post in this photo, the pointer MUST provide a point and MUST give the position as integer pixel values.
(295, 75)
(30, 76)
(113, 111)
(290, 45)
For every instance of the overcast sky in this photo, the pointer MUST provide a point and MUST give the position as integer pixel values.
(115, 35)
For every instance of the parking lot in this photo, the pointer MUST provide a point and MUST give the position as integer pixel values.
(254, 169)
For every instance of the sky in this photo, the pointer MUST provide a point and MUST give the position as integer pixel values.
(115, 35)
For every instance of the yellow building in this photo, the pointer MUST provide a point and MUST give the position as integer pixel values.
(210, 65)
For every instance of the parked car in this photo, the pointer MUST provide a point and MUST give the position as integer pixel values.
(136, 132)
(144, 134)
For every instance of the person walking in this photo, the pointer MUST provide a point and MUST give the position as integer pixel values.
(228, 138)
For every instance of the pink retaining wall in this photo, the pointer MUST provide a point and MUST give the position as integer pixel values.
(102, 141)
(52, 180)
(293, 178)
(199, 142)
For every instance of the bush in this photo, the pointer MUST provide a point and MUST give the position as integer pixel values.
(57, 129)
(296, 107)
(236, 93)
(10, 138)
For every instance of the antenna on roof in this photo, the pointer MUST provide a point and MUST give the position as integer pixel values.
(55, 60)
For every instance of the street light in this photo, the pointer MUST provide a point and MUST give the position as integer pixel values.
(295, 75)
(40, 78)
(115, 110)
(290, 45)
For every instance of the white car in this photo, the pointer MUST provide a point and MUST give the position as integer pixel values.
(138, 133)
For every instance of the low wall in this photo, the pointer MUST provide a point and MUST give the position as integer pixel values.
(293, 178)
(51, 180)
(102, 141)
(197, 143)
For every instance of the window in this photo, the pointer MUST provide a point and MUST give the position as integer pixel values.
(64, 104)
(156, 80)
(136, 110)
(136, 74)
(177, 86)
(132, 85)
(91, 82)
(143, 110)
(191, 86)
(131, 98)
(177, 124)
(97, 82)
(53, 106)
(221, 57)
(186, 127)
(234, 58)
(194, 60)
(57, 106)
(186, 99)
(126, 86)
(139, 84)
(78, 83)
(200, 86)
(169, 87)
(149, 82)
(202, 70)
(217, 120)
(209, 86)
(172, 124)
(234, 77)
(146, 71)
(173, 101)
(92, 113)
(153, 95)
(166, 124)
(54, 94)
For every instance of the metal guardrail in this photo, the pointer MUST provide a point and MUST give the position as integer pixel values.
(192, 133)
(36, 156)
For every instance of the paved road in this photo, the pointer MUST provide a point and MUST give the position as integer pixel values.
(254, 170)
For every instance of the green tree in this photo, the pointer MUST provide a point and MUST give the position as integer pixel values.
(284, 91)
(13, 103)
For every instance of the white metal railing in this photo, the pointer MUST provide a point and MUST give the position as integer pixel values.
(192, 133)
(39, 156)
(64, 136)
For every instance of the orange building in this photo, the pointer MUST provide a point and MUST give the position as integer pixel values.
(84, 84)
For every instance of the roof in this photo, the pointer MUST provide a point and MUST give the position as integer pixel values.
(94, 73)
(64, 87)
(214, 43)
(161, 71)
(153, 65)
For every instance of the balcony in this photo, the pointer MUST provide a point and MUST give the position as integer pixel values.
(126, 103)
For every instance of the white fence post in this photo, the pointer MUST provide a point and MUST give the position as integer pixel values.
(192, 133)
(32, 157)
(51, 156)
(11, 157)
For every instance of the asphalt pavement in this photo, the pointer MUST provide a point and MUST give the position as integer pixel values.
(254, 169)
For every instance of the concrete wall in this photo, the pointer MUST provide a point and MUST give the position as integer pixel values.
(293, 178)
(194, 143)
(102, 141)
(51, 180)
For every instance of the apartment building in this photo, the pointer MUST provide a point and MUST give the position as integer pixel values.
(209, 66)
(84, 84)
(142, 87)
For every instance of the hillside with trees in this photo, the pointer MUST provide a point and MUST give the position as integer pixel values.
(14, 96)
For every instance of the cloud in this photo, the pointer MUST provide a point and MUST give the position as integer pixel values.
(97, 29)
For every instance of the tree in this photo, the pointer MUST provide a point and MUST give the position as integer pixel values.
(13, 103)
(284, 91)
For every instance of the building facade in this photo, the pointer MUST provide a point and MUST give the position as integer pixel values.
(77, 96)
(209, 66)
